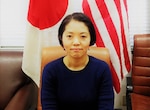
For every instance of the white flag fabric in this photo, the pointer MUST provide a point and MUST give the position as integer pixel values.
(110, 19)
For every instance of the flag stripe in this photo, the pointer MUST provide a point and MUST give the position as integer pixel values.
(125, 5)
(125, 51)
(126, 30)
(111, 26)
(115, 15)
(126, 39)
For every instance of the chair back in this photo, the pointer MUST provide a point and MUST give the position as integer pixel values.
(141, 65)
(17, 90)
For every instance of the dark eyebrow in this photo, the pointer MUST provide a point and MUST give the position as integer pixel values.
(83, 33)
(69, 32)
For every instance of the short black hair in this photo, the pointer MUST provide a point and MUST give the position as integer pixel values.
(79, 17)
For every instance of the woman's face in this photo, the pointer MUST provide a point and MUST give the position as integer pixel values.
(76, 39)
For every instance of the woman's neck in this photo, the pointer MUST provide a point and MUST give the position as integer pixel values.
(76, 64)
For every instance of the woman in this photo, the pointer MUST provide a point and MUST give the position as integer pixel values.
(77, 81)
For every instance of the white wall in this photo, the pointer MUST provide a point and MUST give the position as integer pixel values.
(139, 17)
(13, 22)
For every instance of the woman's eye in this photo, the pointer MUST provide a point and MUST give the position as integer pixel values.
(69, 36)
(83, 36)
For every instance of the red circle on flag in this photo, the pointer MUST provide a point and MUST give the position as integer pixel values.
(46, 13)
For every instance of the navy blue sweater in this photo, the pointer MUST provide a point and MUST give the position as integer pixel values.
(88, 89)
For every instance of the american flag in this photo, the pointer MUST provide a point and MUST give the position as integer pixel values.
(110, 19)
(111, 22)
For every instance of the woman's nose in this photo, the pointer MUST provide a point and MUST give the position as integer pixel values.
(76, 41)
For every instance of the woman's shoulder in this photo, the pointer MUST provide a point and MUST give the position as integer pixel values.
(98, 62)
(99, 67)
